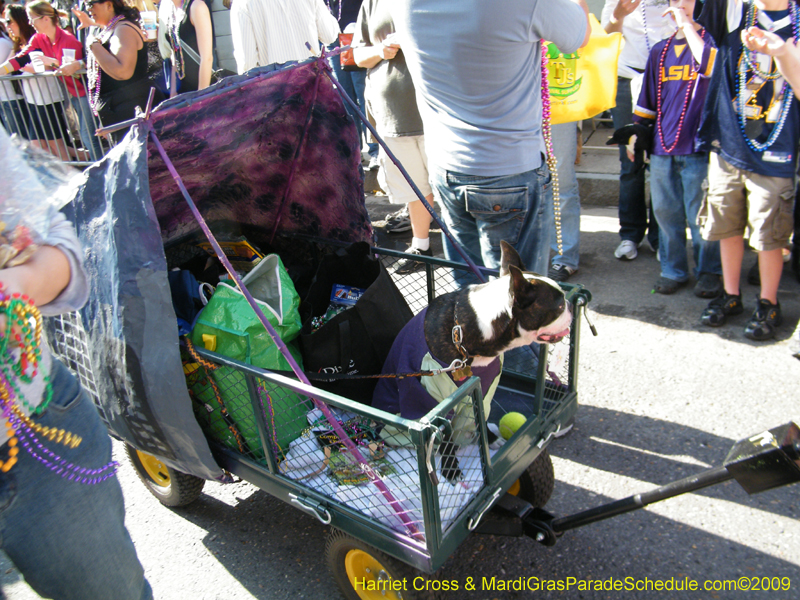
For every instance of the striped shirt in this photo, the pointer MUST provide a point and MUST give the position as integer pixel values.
(276, 31)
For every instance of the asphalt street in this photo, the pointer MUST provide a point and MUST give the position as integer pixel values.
(661, 396)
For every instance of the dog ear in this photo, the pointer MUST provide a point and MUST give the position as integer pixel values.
(520, 289)
(509, 257)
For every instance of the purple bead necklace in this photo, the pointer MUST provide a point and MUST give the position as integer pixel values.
(21, 311)
(552, 162)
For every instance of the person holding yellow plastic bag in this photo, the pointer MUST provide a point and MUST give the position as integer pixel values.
(579, 89)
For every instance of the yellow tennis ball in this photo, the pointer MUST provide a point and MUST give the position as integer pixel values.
(510, 423)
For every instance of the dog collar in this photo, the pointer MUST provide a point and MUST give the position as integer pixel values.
(458, 338)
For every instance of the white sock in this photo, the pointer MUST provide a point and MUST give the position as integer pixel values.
(421, 243)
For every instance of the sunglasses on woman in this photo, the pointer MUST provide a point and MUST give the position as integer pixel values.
(91, 3)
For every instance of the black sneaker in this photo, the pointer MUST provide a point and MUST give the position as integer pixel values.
(410, 265)
(398, 222)
(709, 285)
(764, 321)
(720, 308)
(559, 272)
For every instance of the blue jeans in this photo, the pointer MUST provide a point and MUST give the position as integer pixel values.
(87, 126)
(633, 213)
(69, 539)
(14, 117)
(482, 211)
(353, 84)
(676, 187)
(565, 146)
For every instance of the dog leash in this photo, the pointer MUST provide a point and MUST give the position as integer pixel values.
(453, 366)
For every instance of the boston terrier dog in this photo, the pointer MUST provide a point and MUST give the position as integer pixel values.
(470, 328)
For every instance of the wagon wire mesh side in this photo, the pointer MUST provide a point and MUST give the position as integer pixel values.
(438, 474)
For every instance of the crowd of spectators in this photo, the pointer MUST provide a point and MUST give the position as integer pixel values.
(483, 161)
(456, 90)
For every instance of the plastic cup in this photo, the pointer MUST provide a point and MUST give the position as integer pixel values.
(150, 23)
(68, 56)
(37, 62)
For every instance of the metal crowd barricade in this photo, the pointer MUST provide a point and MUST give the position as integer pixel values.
(40, 108)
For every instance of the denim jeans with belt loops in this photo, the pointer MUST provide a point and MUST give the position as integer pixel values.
(676, 184)
(68, 539)
(481, 211)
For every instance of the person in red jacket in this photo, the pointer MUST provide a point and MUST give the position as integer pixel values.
(48, 126)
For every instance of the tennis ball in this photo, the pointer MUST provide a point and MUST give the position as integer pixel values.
(510, 423)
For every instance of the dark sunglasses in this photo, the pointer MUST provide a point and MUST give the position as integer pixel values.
(91, 3)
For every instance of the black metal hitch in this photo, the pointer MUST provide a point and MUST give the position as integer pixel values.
(761, 462)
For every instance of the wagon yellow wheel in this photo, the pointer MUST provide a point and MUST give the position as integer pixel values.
(171, 487)
(365, 573)
(155, 469)
(536, 483)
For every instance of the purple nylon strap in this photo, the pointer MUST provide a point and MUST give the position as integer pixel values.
(349, 101)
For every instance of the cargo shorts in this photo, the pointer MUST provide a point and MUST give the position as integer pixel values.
(740, 201)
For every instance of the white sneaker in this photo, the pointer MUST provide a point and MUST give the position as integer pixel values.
(626, 250)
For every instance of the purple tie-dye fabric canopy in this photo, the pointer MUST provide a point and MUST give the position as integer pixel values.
(276, 151)
(272, 152)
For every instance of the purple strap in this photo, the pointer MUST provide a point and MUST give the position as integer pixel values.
(349, 101)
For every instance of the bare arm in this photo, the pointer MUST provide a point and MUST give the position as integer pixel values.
(369, 56)
(200, 17)
(585, 7)
(622, 10)
(689, 29)
(327, 25)
(84, 19)
(119, 62)
(43, 277)
(787, 55)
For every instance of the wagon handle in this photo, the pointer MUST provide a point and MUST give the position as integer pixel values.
(443, 430)
(552, 433)
(315, 508)
(475, 521)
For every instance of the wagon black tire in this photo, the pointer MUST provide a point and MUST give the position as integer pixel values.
(537, 481)
(171, 487)
(350, 557)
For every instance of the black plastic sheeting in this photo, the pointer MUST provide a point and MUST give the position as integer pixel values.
(272, 151)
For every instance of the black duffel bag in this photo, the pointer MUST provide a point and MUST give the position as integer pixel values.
(358, 340)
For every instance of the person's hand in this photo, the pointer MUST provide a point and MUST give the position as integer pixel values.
(49, 61)
(10, 284)
(765, 42)
(679, 16)
(84, 19)
(69, 69)
(389, 51)
(28, 69)
(624, 8)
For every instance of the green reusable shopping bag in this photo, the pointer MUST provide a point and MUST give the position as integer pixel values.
(229, 326)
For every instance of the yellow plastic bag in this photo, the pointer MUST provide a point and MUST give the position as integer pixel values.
(584, 84)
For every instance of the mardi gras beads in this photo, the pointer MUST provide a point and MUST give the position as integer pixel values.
(552, 163)
(93, 68)
(19, 361)
(174, 37)
(689, 89)
(749, 61)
